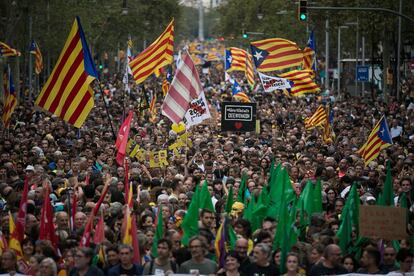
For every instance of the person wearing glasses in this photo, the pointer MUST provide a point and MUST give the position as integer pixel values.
(83, 264)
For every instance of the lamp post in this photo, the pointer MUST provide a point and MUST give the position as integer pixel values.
(356, 24)
(339, 59)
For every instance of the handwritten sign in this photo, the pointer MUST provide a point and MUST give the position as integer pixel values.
(387, 223)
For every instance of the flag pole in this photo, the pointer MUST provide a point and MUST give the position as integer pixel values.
(107, 111)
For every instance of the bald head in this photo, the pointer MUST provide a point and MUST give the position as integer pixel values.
(241, 247)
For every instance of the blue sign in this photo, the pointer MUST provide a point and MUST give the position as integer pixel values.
(362, 73)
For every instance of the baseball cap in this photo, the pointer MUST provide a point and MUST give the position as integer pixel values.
(29, 168)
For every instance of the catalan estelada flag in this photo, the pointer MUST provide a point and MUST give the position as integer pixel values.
(379, 139)
(10, 99)
(317, 119)
(275, 54)
(7, 51)
(34, 49)
(302, 82)
(67, 92)
(309, 54)
(328, 135)
(240, 60)
(157, 55)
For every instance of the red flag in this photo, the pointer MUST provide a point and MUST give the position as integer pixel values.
(74, 210)
(21, 215)
(122, 139)
(47, 229)
(135, 245)
(99, 236)
(84, 242)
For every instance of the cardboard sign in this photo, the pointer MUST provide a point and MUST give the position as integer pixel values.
(238, 116)
(387, 223)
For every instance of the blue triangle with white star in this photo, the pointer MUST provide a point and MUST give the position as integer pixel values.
(259, 55)
(228, 60)
(236, 88)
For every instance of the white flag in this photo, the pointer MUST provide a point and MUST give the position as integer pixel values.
(197, 112)
(271, 83)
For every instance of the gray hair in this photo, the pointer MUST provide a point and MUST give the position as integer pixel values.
(50, 262)
(264, 248)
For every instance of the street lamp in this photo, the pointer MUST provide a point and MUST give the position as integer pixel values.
(356, 52)
(339, 58)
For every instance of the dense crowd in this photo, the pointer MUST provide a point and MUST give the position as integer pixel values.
(53, 155)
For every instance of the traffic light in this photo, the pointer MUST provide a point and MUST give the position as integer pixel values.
(244, 34)
(100, 66)
(303, 10)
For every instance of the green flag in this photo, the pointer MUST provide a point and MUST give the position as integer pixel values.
(317, 197)
(159, 233)
(280, 188)
(387, 193)
(229, 201)
(286, 231)
(205, 198)
(259, 212)
(349, 219)
(248, 210)
(241, 195)
(190, 221)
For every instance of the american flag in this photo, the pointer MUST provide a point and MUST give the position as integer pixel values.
(185, 87)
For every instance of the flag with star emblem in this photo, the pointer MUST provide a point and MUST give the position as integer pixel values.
(34, 49)
(240, 60)
(275, 54)
(309, 54)
(378, 139)
(238, 93)
(302, 82)
(10, 99)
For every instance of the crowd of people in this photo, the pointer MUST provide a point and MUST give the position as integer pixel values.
(67, 161)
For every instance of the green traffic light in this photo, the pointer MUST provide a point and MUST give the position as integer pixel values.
(100, 66)
(245, 36)
(303, 17)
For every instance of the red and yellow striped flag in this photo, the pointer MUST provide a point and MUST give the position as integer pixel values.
(67, 92)
(303, 83)
(242, 97)
(379, 139)
(275, 54)
(7, 51)
(249, 70)
(34, 49)
(157, 55)
(10, 99)
(238, 59)
(317, 119)
(308, 58)
(14, 243)
(241, 60)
